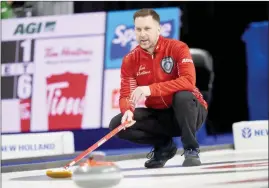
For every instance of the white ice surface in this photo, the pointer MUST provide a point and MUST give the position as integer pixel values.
(173, 176)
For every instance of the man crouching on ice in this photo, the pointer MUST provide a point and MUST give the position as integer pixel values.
(161, 70)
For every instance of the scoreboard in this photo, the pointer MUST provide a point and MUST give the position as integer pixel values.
(17, 69)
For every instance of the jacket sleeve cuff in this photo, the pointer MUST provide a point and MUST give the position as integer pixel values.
(123, 111)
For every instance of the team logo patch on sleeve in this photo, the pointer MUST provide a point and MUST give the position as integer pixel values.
(167, 64)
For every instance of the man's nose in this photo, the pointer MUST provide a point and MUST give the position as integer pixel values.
(142, 33)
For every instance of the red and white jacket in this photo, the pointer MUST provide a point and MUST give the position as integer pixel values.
(170, 69)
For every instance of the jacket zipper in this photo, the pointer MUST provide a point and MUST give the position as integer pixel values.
(152, 56)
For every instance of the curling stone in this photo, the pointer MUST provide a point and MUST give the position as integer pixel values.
(103, 175)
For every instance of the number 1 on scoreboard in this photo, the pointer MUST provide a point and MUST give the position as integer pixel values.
(26, 45)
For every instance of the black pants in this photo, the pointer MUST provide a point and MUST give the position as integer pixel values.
(156, 127)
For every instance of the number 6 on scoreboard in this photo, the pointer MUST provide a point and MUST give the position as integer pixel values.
(24, 89)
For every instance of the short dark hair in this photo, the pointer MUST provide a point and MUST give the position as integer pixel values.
(147, 12)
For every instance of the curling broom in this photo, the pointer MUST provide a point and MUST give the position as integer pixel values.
(65, 173)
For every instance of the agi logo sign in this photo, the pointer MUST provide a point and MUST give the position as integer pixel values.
(35, 27)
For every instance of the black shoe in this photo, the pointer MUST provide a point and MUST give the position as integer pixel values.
(160, 155)
(191, 158)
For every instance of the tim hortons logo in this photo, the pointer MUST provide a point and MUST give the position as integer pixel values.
(65, 100)
(50, 52)
(142, 71)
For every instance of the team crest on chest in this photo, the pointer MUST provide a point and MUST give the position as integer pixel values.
(167, 64)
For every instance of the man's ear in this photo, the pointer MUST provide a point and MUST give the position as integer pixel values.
(159, 28)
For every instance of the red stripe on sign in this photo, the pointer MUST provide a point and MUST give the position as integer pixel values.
(25, 114)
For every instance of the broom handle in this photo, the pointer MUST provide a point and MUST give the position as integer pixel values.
(96, 145)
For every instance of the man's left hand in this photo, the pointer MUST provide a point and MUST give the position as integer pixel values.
(139, 93)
